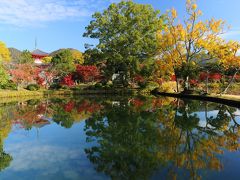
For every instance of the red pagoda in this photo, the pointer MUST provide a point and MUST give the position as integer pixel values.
(38, 55)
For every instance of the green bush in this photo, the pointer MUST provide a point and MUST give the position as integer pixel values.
(33, 87)
(108, 86)
(150, 86)
(142, 85)
(64, 87)
(10, 86)
(98, 86)
(55, 86)
(33, 102)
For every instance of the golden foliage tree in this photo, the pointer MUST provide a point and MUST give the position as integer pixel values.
(47, 59)
(228, 58)
(4, 52)
(78, 56)
(183, 43)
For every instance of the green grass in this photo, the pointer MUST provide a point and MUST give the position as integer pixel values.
(20, 93)
(42, 93)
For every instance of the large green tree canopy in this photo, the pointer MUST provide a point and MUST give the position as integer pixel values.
(63, 62)
(127, 35)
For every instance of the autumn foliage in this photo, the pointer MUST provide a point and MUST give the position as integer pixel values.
(87, 73)
(88, 106)
(210, 76)
(24, 73)
(67, 80)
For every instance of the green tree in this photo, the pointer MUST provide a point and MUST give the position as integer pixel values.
(93, 56)
(63, 118)
(26, 57)
(63, 63)
(127, 36)
(4, 76)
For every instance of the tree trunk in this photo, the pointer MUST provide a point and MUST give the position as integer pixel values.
(207, 83)
(230, 83)
(177, 84)
(206, 114)
(187, 87)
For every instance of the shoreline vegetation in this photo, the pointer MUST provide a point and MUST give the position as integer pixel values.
(42, 93)
(13, 95)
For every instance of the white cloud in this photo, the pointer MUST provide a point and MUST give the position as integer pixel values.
(23, 13)
(47, 161)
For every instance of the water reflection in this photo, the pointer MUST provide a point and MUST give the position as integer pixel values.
(5, 128)
(175, 138)
(127, 141)
(132, 138)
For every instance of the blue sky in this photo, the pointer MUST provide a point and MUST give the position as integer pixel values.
(61, 23)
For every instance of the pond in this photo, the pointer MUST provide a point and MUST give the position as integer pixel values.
(118, 138)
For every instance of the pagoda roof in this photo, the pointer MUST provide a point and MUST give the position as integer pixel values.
(39, 52)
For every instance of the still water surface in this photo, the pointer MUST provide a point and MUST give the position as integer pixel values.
(118, 138)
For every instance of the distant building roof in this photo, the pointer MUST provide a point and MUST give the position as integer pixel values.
(39, 52)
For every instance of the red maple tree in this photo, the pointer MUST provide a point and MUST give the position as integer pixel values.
(87, 73)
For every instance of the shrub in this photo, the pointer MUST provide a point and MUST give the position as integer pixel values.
(109, 86)
(33, 87)
(168, 87)
(10, 85)
(64, 87)
(237, 78)
(33, 102)
(150, 86)
(55, 86)
(215, 87)
(193, 82)
(142, 85)
(98, 86)
(87, 73)
(215, 76)
(138, 78)
(67, 81)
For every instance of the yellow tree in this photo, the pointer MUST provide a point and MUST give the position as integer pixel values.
(47, 60)
(4, 57)
(5, 129)
(78, 56)
(228, 58)
(4, 52)
(181, 44)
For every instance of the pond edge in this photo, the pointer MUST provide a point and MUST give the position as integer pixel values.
(211, 98)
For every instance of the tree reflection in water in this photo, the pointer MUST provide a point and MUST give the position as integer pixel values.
(133, 143)
(5, 128)
(127, 142)
(134, 138)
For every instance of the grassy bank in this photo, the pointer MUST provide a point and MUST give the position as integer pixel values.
(42, 93)
(20, 93)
